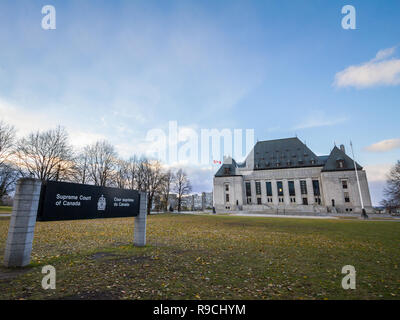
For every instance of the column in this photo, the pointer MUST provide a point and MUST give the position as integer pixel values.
(274, 192)
(253, 192)
(297, 189)
(286, 197)
(22, 223)
(310, 191)
(140, 222)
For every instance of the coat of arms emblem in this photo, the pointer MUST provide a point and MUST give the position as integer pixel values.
(101, 204)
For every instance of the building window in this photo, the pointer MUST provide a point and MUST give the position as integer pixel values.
(318, 200)
(248, 200)
(344, 184)
(346, 197)
(269, 199)
(227, 170)
(258, 188)
(316, 189)
(227, 197)
(258, 200)
(280, 200)
(248, 189)
(292, 191)
(305, 201)
(280, 188)
(227, 187)
(303, 186)
(340, 163)
(269, 189)
(293, 200)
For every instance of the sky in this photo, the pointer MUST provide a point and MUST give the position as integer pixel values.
(116, 69)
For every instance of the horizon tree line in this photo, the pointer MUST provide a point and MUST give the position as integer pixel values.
(48, 155)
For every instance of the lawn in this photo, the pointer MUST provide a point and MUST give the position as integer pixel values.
(209, 257)
(4, 209)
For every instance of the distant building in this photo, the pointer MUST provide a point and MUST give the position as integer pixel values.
(192, 202)
(284, 175)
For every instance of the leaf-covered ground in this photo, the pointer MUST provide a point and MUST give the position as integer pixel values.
(209, 257)
(6, 210)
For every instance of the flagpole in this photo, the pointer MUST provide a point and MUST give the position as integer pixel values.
(363, 214)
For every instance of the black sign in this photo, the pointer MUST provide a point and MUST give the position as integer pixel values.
(71, 201)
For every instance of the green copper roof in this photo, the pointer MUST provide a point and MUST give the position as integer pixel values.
(336, 156)
(290, 153)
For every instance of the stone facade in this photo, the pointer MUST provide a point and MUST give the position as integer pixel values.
(290, 184)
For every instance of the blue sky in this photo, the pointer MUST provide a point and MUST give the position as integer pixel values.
(116, 69)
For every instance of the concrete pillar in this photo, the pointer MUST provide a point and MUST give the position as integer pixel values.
(310, 191)
(275, 200)
(22, 224)
(264, 192)
(297, 189)
(140, 222)
(286, 197)
(253, 192)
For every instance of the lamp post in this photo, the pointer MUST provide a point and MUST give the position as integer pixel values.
(363, 212)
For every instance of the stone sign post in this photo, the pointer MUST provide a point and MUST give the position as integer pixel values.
(22, 224)
(55, 201)
(140, 222)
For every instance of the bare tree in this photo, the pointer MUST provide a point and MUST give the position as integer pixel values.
(392, 190)
(9, 175)
(154, 177)
(101, 162)
(122, 178)
(7, 140)
(8, 172)
(181, 185)
(82, 168)
(165, 189)
(46, 155)
(132, 165)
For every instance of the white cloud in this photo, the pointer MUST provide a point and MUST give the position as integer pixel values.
(319, 119)
(27, 121)
(379, 71)
(378, 172)
(24, 121)
(384, 53)
(384, 145)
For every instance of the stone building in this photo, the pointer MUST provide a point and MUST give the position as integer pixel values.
(284, 175)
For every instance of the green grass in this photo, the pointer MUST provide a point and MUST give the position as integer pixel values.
(209, 257)
(4, 209)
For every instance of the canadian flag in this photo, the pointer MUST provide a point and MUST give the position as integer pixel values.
(217, 162)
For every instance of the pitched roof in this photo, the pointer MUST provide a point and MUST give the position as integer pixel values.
(227, 169)
(337, 155)
(284, 153)
(289, 153)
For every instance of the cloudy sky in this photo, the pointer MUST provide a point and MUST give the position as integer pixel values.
(116, 69)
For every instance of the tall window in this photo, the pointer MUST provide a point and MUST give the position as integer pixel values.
(315, 184)
(227, 187)
(248, 189)
(292, 191)
(280, 188)
(258, 188)
(346, 197)
(303, 186)
(344, 184)
(269, 189)
(227, 197)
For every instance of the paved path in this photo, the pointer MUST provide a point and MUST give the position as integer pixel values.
(281, 216)
(5, 214)
(267, 215)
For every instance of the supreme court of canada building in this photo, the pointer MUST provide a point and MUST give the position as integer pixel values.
(284, 175)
